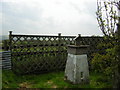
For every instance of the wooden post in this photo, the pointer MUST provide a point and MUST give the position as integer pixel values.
(10, 47)
(59, 48)
(59, 41)
(10, 41)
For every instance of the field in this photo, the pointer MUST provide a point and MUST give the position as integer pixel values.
(49, 80)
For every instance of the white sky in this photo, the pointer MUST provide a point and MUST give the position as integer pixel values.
(69, 17)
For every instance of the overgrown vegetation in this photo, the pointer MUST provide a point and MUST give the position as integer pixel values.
(5, 45)
(109, 23)
(104, 60)
(49, 80)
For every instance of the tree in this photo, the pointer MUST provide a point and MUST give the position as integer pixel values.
(107, 16)
(109, 23)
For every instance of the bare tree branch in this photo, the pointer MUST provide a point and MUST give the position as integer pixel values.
(107, 16)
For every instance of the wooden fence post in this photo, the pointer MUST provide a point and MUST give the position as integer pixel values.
(10, 41)
(59, 48)
(10, 47)
(59, 40)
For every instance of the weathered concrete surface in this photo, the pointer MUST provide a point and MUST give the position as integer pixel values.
(76, 70)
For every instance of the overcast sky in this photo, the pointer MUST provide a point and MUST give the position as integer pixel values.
(69, 17)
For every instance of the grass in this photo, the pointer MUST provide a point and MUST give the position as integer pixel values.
(49, 80)
(1, 50)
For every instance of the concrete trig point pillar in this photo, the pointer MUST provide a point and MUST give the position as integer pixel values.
(76, 70)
